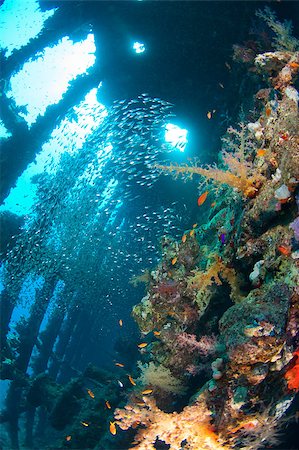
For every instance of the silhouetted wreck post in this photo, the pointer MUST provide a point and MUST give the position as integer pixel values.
(45, 344)
(15, 403)
(74, 346)
(68, 325)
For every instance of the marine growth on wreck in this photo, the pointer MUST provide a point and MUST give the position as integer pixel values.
(210, 359)
(220, 317)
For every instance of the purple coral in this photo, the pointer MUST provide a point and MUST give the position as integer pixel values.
(295, 226)
(205, 346)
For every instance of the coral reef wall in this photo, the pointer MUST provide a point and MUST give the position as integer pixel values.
(219, 321)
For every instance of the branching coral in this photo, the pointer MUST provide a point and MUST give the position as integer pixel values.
(205, 346)
(191, 426)
(238, 174)
(283, 39)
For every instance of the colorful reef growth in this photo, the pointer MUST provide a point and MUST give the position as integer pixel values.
(220, 316)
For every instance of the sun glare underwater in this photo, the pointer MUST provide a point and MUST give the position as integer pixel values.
(149, 225)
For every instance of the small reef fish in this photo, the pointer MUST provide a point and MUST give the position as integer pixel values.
(192, 233)
(119, 365)
(213, 204)
(68, 438)
(120, 323)
(85, 424)
(221, 85)
(142, 345)
(147, 392)
(112, 428)
(268, 112)
(107, 404)
(131, 380)
(174, 260)
(184, 237)
(120, 384)
(209, 115)
(222, 238)
(157, 333)
(286, 251)
(202, 198)
(90, 393)
(261, 152)
(294, 65)
(194, 225)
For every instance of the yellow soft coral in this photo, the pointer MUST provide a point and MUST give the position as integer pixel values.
(239, 173)
(160, 377)
(191, 426)
(247, 186)
(202, 280)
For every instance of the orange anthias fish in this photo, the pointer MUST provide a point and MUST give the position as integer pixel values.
(213, 204)
(192, 232)
(131, 380)
(202, 198)
(142, 345)
(286, 251)
(90, 393)
(120, 323)
(112, 428)
(119, 365)
(261, 152)
(107, 404)
(194, 225)
(157, 333)
(174, 260)
(268, 112)
(294, 65)
(184, 237)
(209, 115)
(68, 438)
(147, 392)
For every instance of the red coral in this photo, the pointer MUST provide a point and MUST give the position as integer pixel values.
(292, 374)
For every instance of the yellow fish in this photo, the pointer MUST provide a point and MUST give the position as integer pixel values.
(85, 424)
(120, 323)
(131, 380)
(112, 428)
(142, 345)
(90, 393)
(147, 392)
(107, 404)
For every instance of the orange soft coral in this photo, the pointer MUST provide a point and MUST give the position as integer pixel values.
(239, 172)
